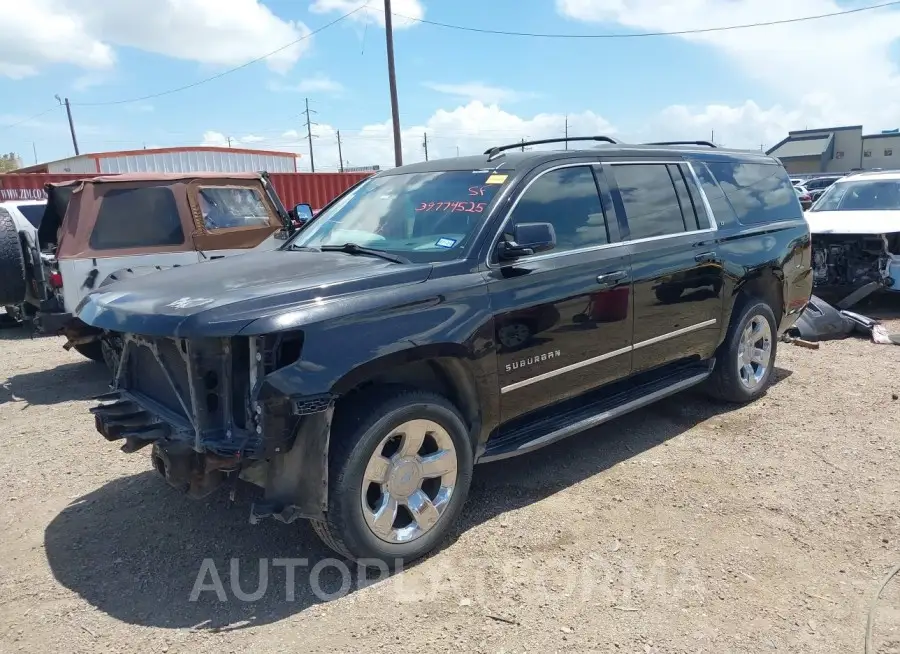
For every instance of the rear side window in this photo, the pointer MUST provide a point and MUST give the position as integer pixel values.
(650, 199)
(224, 207)
(759, 193)
(568, 199)
(32, 212)
(137, 218)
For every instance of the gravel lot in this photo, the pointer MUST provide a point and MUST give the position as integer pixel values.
(687, 527)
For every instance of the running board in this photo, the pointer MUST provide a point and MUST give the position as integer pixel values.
(545, 431)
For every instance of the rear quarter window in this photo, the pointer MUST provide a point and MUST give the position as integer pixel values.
(758, 193)
(137, 218)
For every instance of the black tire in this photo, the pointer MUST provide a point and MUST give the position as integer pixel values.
(92, 350)
(355, 435)
(725, 382)
(13, 282)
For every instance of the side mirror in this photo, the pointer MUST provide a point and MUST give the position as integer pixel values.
(302, 214)
(528, 238)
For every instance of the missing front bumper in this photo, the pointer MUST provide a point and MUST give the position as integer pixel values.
(211, 412)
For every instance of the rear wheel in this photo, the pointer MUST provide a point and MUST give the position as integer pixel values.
(399, 472)
(746, 360)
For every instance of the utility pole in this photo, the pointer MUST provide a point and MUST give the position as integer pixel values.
(309, 136)
(712, 136)
(340, 154)
(392, 80)
(71, 124)
(34, 149)
(567, 132)
(523, 145)
(425, 145)
(457, 150)
(229, 141)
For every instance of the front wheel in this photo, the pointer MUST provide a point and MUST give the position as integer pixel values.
(400, 469)
(746, 360)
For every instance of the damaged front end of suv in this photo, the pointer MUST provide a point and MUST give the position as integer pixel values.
(855, 228)
(212, 412)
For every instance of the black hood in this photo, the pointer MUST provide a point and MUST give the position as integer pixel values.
(222, 297)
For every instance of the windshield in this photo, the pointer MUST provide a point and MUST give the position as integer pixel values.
(32, 212)
(420, 216)
(861, 195)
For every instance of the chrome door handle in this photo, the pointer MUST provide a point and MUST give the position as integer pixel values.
(608, 279)
(705, 257)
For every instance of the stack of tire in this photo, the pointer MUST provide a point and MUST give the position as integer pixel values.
(13, 282)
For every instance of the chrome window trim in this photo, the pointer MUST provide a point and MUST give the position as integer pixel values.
(589, 248)
(607, 355)
(710, 216)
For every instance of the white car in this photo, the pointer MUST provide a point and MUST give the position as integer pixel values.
(25, 213)
(855, 228)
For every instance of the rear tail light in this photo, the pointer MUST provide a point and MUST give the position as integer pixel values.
(55, 280)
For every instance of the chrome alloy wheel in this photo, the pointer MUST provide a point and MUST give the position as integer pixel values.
(754, 352)
(409, 481)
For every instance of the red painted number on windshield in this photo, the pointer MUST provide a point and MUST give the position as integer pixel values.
(468, 207)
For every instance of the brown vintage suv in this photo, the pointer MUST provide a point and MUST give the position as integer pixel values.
(99, 230)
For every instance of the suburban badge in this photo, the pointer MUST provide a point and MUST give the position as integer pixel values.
(530, 361)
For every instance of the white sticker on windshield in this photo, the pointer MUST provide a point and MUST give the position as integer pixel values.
(445, 242)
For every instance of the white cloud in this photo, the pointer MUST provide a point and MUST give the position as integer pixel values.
(479, 91)
(860, 82)
(84, 33)
(402, 10)
(469, 129)
(318, 83)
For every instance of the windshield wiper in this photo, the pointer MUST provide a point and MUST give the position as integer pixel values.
(354, 248)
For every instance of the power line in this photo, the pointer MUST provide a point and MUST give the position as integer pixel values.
(703, 30)
(25, 120)
(223, 73)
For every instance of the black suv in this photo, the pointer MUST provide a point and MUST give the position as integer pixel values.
(452, 312)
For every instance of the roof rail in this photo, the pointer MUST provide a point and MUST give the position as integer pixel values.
(492, 152)
(706, 143)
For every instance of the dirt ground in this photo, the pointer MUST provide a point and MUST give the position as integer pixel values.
(687, 527)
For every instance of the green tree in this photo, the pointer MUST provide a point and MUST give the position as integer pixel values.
(10, 161)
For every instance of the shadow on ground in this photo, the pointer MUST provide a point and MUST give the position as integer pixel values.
(80, 380)
(134, 548)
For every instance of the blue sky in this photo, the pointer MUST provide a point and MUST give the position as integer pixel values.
(466, 90)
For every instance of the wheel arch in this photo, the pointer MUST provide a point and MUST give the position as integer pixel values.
(766, 284)
(443, 368)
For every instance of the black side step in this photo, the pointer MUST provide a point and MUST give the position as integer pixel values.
(575, 418)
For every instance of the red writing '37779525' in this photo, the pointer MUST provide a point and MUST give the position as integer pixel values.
(459, 205)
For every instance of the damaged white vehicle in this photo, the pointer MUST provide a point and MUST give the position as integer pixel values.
(855, 227)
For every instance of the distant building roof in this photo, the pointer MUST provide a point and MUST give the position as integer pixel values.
(151, 151)
(802, 147)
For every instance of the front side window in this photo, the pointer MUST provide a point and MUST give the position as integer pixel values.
(227, 206)
(861, 195)
(568, 199)
(759, 193)
(137, 218)
(420, 216)
(650, 200)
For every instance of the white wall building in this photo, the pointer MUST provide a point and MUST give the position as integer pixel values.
(172, 160)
